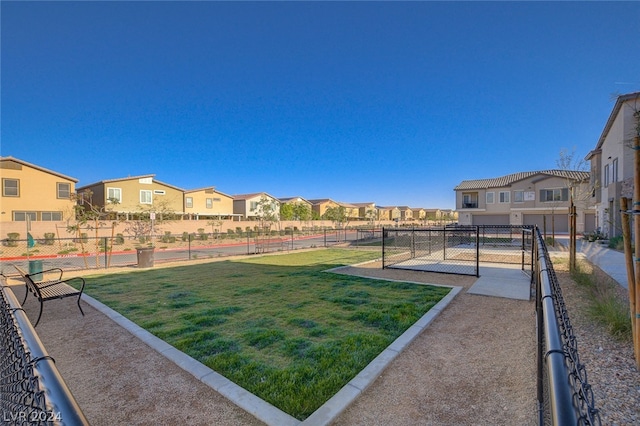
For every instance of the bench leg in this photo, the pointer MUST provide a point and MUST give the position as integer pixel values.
(26, 294)
(80, 307)
(39, 314)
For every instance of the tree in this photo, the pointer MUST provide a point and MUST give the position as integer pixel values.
(286, 211)
(301, 212)
(267, 210)
(579, 193)
(149, 218)
(92, 216)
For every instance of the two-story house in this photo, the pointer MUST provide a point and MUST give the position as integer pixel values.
(207, 203)
(528, 198)
(253, 206)
(34, 193)
(128, 197)
(612, 162)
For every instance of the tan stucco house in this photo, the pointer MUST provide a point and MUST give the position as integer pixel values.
(247, 206)
(35, 193)
(130, 196)
(207, 203)
(612, 163)
(526, 198)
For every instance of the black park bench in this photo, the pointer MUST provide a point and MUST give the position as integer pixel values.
(50, 289)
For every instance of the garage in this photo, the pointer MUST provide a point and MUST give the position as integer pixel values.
(497, 219)
(589, 223)
(560, 221)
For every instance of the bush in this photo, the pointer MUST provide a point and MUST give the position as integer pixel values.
(119, 239)
(12, 238)
(185, 236)
(167, 238)
(49, 238)
(616, 243)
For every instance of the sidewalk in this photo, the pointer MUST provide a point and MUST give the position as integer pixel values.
(610, 261)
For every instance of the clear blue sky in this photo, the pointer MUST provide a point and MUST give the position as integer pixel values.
(393, 103)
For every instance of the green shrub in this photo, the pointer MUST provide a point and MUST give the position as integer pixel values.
(49, 238)
(167, 238)
(119, 239)
(616, 243)
(185, 236)
(12, 238)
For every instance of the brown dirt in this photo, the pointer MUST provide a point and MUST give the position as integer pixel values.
(475, 364)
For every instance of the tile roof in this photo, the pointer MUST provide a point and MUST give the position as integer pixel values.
(508, 180)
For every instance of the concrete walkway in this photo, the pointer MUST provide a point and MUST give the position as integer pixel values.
(610, 261)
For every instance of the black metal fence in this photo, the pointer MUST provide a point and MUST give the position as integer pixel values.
(446, 250)
(456, 250)
(117, 251)
(32, 392)
(563, 392)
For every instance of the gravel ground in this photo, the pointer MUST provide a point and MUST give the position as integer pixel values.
(610, 362)
(474, 365)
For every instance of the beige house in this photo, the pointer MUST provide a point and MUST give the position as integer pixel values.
(320, 205)
(207, 203)
(367, 211)
(35, 193)
(612, 163)
(130, 196)
(526, 198)
(248, 206)
(390, 213)
(406, 213)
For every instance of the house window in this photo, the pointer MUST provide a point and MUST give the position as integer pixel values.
(253, 206)
(614, 170)
(216, 200)
(490, 196)
(606, 175)
(159, 192)
(189, 202)
(51, 216)
(504, 197)
(64, 190)
(209, 203)
(10, 187)
(145, 197)
(114, 195)
(556, 194)
(22, 216)
(518, 196)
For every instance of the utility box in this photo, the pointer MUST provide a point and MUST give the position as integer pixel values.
(145, 257)
(35, 270)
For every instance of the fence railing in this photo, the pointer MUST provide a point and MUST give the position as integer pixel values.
(444, 250)
(87, 252)
(563, 393)
(32, 391)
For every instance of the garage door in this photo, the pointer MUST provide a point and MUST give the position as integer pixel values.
(498, 219)
(589, 222)
(560, 221)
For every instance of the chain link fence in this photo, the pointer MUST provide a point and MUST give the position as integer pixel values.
(85, 252)
(564, 395)
(456, 250)
(32, 392)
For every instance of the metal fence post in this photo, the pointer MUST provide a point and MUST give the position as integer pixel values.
(106, 248)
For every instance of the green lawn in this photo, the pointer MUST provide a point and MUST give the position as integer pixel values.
(279, 326)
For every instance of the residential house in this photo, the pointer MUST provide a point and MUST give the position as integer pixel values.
(612, 163)
(406, 214)
(207, 203)
(294, 202)
(390, 213)
(34, 193)
(129, 197)
(252, 206)
(320, 206)
(367, 211)
(528, 198)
